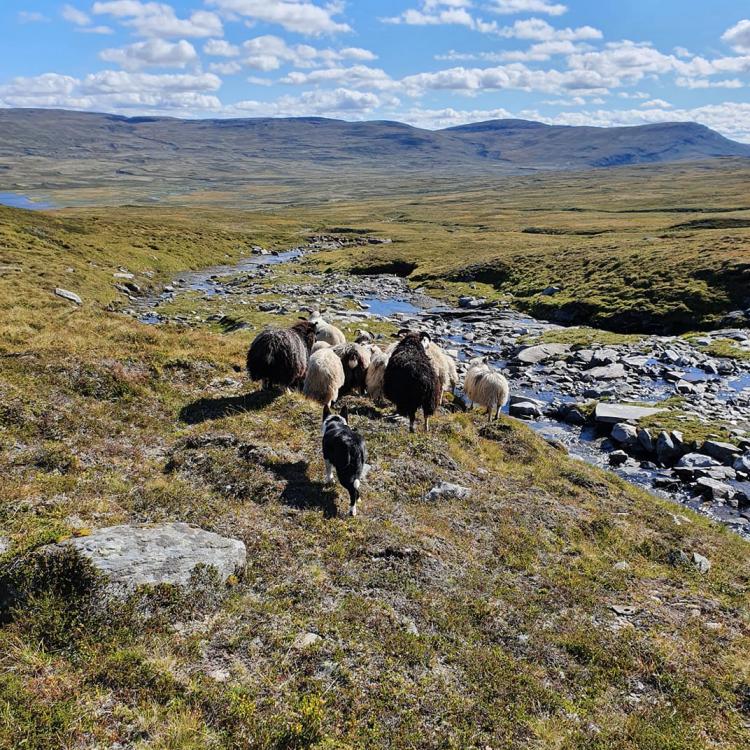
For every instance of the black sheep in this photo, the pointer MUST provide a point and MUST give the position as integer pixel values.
(279, 356)
(411, 382)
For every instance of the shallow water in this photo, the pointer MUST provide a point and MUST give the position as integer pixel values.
(585, 444)
(387, 307)
(16, 200)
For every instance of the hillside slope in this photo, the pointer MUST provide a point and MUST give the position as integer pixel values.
(550, 609)
(44, 150)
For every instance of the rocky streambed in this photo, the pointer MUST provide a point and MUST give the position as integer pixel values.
(587, 399)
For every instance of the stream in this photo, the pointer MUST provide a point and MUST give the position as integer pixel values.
(714, 390)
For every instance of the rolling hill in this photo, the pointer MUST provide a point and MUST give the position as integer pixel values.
(48, 150)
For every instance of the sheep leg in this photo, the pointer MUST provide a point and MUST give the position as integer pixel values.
(329, 472)
(426, 423)
(411, 423)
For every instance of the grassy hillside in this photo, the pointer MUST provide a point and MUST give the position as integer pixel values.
(108, 159)
(548, 610)
(640, 250)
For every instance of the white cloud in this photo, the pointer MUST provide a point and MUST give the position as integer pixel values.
(660, 103)
(159, 19)
(116, 91)
(339, 102)
(270, 52)
(527, 6)
(539, 30)
(738, 36)
(225, 68)
(356, 77)
(299, 16)
(221, 48)
(95, 30)
(153, 53)
(442, 12)
(75, 16)
(539, 52)
(515, 76)
(32, 16)
(705, 83)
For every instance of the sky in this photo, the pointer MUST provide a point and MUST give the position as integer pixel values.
(430, 63)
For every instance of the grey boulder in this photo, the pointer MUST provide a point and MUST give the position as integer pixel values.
(533, 355)
(448, 491)
(168, 553)
(68, 295)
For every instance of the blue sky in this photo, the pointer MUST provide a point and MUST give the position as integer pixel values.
(432, 63)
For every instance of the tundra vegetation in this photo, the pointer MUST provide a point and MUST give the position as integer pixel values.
(551, 605)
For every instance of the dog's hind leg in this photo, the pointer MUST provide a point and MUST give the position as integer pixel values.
(329, 472)
(353, 497)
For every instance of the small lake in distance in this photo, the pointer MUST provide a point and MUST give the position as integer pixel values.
(16, 200)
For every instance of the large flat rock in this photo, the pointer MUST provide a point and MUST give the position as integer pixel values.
(137, 555)
(533, 355)
(614, 413)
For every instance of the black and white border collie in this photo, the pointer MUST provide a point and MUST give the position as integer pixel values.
(344, 450)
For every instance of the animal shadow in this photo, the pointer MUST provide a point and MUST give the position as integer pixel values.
(207, 409)
(303, 493)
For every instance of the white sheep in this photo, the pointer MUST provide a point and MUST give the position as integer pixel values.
(486, 387)
(318, 345)
(325, 377)
(325, 331)
(376, 374)
(444, 365)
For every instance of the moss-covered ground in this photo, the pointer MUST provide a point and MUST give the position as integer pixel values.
(491, 622)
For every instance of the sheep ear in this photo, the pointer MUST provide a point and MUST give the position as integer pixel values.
(403, 332)
(424, 336)
(344, 414)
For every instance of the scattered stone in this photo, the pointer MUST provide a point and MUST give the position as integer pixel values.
(666, 450)
(613, 413)
(696, 461)
(625, 434)
(624, 610)
(525, 408)
(622, 565)
(448, 491)
(137, 555)
(702, 564)
(608, 372)
(645, 441)
(533, 355)
(305, 640)
(724, 452)
(4, 544)
(123, 275)
(715, 489)
(411, 627)
(618, 458)
(70, 296)
(551, 291)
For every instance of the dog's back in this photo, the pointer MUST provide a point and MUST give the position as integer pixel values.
(344, 450)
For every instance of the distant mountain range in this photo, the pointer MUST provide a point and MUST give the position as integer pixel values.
(51, 149)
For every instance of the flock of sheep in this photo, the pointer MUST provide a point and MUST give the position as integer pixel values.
(412, 373)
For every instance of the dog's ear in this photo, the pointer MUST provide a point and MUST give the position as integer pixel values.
(344, 414)
(403, 332)
(326, 412)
